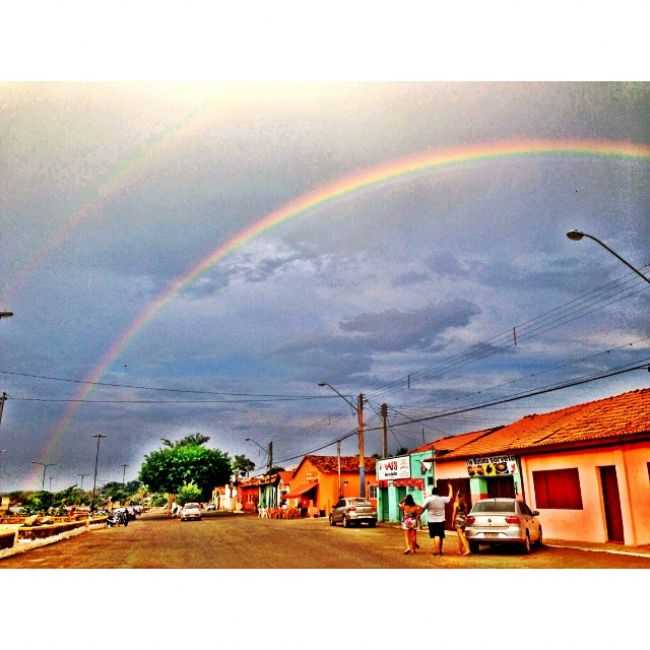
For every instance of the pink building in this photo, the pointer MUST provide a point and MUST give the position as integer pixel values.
(586, 468)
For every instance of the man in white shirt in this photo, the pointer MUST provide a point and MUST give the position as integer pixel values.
(434, 507)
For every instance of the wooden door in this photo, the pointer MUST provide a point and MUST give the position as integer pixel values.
(612, 503)
(459, 485)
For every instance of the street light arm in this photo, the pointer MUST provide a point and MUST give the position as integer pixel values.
(576, 235)
(343, 397)
(256, 443)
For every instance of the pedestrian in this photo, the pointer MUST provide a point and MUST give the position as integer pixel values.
(459, 517)
(434, 506)
(411, 512)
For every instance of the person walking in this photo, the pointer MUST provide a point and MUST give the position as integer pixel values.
(411, 512)
(459, 517)
(434, 506)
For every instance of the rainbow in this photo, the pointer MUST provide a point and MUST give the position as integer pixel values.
(373, 176)
(127, 172)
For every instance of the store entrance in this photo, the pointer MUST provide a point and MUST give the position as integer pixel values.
(459, 486)
(501, 487)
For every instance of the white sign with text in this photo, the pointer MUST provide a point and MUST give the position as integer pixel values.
(393, 468)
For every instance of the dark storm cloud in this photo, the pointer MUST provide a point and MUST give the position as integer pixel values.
(395, 330)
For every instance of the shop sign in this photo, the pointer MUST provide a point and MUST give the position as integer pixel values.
(393, 468)
(492, 466)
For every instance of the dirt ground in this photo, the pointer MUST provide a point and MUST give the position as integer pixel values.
(241, 542)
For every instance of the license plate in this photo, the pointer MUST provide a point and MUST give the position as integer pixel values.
(491, 534)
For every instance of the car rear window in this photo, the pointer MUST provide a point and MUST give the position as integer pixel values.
(494, 506)
(359, 502)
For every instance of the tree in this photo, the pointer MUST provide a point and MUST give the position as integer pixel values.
(167, 469)
(192, 439)
(242, 465)
(188, 492)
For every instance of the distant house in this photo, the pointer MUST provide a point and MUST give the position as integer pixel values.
(585, 468)
(315, 485)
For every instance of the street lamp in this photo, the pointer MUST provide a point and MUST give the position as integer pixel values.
(577, 235)
(45, 466)
(358, 409)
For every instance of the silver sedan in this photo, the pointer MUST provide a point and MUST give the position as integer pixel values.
(503, 521)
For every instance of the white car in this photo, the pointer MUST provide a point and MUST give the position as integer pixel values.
(190, 511)
(503, 521)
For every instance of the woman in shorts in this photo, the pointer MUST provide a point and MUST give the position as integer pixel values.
(411, 512)
(459, 518)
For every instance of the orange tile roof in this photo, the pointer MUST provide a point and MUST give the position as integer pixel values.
(620, 415)
(329, 465)
(451, 443)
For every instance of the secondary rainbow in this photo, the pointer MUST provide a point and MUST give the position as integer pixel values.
(430, 160)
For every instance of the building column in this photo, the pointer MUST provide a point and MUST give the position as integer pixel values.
(478, 488)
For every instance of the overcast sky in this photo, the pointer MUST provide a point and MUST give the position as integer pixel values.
(111, 191)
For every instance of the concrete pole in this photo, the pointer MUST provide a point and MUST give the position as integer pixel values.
(99, 437)
(338, 464)
(362, 452)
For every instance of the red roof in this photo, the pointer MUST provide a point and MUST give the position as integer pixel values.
(622, 415)
(329, 464)
(286, 476)
(451, 443)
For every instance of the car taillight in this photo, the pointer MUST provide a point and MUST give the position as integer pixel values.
(351, 508)
(512, 520)
(470, 520)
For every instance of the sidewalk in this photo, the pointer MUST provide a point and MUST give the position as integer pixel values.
(615, 549)
(609, 547)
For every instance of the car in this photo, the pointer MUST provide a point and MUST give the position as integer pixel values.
(211, 506)
(353, 511)
(190, 511)
(503, 521)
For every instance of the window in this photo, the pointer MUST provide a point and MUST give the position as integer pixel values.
(558, 489)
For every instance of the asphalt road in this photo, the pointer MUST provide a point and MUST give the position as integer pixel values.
(242, 542)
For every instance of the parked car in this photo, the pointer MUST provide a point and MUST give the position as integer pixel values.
(211, 506)
(190, 511)
(353, 511)
(503, 521)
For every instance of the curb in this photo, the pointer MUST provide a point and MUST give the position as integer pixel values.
(25, 547)
(598, 550)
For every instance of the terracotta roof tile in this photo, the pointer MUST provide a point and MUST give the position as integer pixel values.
(623, 414)
(451, 443)
(328, 464)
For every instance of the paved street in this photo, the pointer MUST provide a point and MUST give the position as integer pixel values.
(238, 542)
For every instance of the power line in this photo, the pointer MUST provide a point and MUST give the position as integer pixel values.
(533, 327)
(435, 416)
(161, 388)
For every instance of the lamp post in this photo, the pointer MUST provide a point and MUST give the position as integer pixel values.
(45, 466)
(358, 409)
(577, 235)
(123, 466)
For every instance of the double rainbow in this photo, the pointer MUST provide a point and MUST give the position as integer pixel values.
(301, 205)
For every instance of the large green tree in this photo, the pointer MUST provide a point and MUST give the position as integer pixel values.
(167, 469)
(242, 465)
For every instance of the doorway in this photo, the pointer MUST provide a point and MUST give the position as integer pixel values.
(612, 503)
(501, 487)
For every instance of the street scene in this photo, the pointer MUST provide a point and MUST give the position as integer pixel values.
(273, 325)
(245, 542)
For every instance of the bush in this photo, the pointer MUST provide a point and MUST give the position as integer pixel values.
(188, 492)
(158, 500)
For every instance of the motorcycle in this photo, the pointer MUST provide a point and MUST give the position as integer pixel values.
(116, 518)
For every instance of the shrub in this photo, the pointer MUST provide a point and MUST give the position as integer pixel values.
(188, 492)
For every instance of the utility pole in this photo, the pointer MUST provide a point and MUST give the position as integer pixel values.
(270, 454)
(99, 437)
(338, 465)
(384, 419)
(82, 476)
(2, 404)
(2, 451)
(51, 479)
(362, 452)
(123, 466)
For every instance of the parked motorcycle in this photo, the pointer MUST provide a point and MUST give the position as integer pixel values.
(116, 518)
